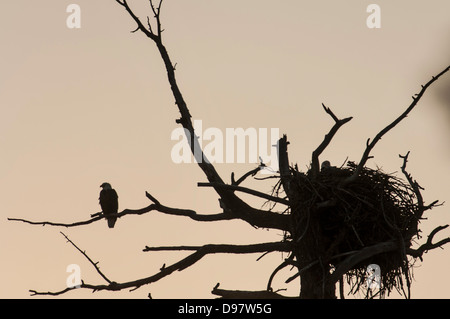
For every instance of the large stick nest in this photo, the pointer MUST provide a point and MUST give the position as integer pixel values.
(377, 208)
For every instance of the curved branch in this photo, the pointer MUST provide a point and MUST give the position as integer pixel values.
(372, 144)
(284, 264)
(95, 217)
(155, 206)
(229, 200)
(180, 265)
(417, 253)
(85, 222)
(384, 247)
(416, 188)
(227, 196)
(255, 217)
(252, 172)
(359, 256)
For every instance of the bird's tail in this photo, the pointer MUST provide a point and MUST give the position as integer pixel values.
(111, 221)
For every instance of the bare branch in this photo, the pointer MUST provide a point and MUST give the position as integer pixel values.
(95, 217)
(228, 197)
(87, 257)
(229, 201)
(140, 26)
(417, 189)
(315, 167)
(228, 249)
(384, 247)
(415, 186)
(86, 222)
(417, 253)
(180, 265)
(50, 293)
(255, 217)
(242, 294)
(246, 190)
(359, 256)
(252, 172)
(156, 206)
(287, 262)
(371, 145)
(156, 12)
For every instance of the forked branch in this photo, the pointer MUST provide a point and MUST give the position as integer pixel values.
(417, 190)
(429, 245)
(371, 145)
(315, 167)
(184, 263)
(248, 191)
(156, 206)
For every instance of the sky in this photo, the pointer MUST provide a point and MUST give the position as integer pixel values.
(83, 106)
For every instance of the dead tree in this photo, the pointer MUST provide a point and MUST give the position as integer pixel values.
(336, 221)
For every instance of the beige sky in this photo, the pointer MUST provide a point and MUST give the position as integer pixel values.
(79, 107)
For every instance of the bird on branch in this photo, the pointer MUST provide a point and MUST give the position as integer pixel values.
(109, 202)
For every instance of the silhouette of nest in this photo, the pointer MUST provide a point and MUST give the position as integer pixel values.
(377, 208)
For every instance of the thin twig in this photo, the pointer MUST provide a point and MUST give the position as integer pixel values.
(371, 145)
(315, 167)
(87, 257)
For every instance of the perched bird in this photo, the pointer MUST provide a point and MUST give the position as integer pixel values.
(325, 165)
(109, 203)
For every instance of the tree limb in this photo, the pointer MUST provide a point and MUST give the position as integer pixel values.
(155, 206)
(359, 256)
(87, 257)
(140, 26)
(156, 12)
(255, 217)
(417, 253)
(252, 172)
(227, 196)
(315, 167)
(227, 248)
(85, 222)
(289, 261)
(372, 144)
(243, 294)
(416, 188)
(179, 266)
(246, 190)
(384, 247)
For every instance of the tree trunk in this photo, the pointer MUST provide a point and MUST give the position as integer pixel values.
(306, 236)
(312, 284)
